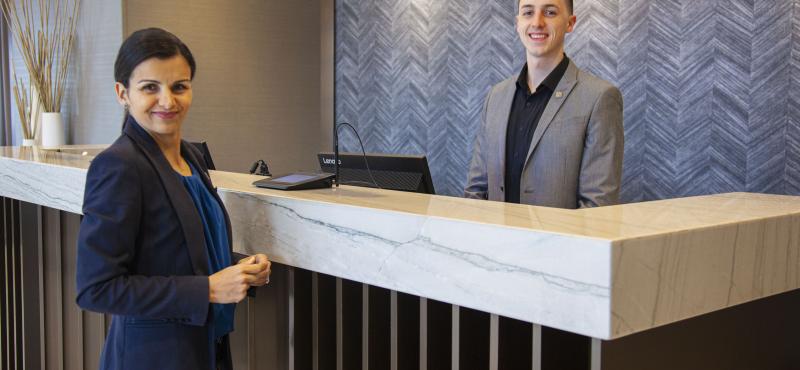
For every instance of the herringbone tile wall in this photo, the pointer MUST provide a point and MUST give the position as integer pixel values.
(711, 87)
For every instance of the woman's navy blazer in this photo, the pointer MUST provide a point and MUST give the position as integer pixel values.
(142, 256)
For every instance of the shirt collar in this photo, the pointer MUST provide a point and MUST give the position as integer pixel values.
(551, 81)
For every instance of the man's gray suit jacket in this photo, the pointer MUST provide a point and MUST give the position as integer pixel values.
(575, 156)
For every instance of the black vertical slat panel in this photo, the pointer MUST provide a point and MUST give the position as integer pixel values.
(270, 317)
(73, 317)
(291, 317)
(439, 336)
(473, 339)
(239, 337)
(5, 349)
(379, 328)
(563, 350)
(351, 324)
(516, 341)
(30, 241)
(249, 341)
(17, 283)
(94, 324)
(53, 290)
(302, 322)
(326, 322)
(93, 338)
(407, 332)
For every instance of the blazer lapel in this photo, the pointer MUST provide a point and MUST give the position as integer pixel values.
(563, 90)
(500, 122)
(181, 200)
(191, 156)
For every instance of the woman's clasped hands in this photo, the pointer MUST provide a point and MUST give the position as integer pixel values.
(230, 285)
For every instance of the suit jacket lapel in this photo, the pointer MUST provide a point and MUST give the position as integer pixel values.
(505, 100)
(190, 156)
(563, 90)
(181, 200)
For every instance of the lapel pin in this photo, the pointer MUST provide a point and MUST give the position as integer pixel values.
(559, 94)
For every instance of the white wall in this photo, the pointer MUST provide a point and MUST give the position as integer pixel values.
(92, 114)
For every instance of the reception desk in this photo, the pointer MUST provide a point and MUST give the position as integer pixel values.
(369, 278)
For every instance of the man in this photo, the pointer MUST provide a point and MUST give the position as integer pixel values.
(551, 135)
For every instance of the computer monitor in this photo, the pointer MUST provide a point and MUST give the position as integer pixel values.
(391, 171)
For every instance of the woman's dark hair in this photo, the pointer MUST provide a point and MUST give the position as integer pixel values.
(145, 44)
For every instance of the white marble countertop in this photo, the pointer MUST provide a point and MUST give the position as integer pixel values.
(604, 272)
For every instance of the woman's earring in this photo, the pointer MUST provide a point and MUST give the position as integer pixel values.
(127, 108)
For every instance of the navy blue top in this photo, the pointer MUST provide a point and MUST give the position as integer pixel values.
(216, 234)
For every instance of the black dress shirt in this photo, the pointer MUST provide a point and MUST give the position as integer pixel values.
(526, 110)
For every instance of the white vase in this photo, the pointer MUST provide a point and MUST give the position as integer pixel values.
(52, 129)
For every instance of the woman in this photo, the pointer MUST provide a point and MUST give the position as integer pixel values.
(154, 248)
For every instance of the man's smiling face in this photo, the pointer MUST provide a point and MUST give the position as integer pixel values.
(542, 25)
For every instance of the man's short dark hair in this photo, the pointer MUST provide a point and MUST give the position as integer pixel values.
(569, 5)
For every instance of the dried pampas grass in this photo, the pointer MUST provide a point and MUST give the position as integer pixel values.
(44, 32)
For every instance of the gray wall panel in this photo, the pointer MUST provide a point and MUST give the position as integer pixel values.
(705, 85)
(257, 92)
(411, 76)
(95, 117)
(793, 127)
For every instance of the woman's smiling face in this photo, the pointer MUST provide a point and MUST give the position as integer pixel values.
(159, 94)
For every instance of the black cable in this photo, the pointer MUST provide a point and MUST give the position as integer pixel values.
(363, 153)
(254, 166)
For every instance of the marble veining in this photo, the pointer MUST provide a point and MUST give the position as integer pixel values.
(451, 261)
(42, 177)
(604, 272)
